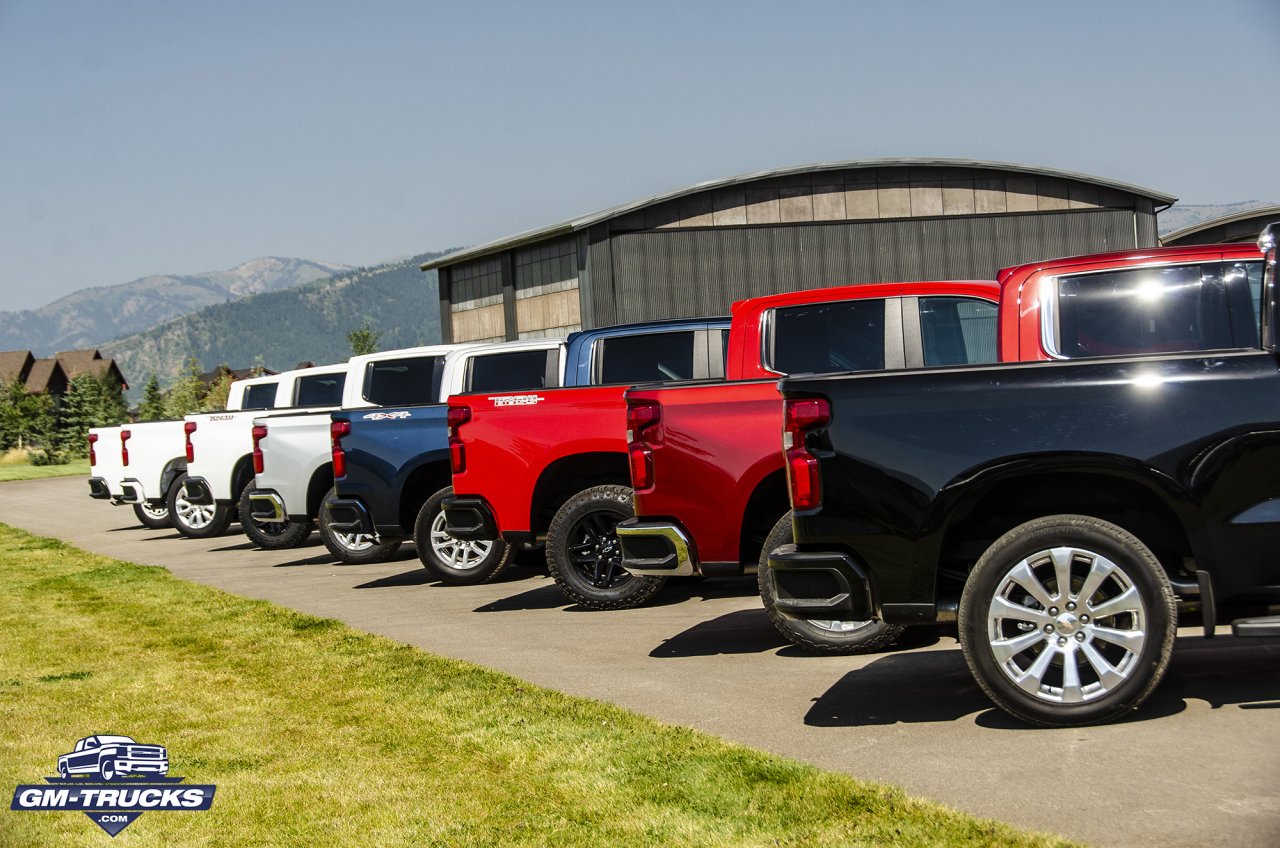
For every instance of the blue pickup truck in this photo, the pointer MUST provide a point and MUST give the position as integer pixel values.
(391, 467)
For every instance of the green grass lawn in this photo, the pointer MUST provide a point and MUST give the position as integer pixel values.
(27, 471)
(316, 734)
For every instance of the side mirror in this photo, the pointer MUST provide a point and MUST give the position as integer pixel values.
(1270, 291)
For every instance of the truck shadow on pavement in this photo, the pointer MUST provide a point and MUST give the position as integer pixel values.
(936, 686)
(751, 632)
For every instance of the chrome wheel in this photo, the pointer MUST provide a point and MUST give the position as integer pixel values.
(157, 512)
(455, 553)
(356, 542)
(1067, 625)
(195, 516)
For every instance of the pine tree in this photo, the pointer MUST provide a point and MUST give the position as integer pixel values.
(186, 394)
(363, 339)
(152, 406)
(216, 399)
(90, 401)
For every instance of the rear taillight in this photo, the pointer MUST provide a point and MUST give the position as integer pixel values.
(799, 416)
(337, 431)
(642, 417)
(93, 456)
(259, 433)
(458, 415)
(188, 429)
(125, 436)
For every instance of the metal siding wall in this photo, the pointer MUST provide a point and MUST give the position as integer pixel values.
(693, 272)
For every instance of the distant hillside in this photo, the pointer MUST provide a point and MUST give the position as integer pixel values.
(309, 322)
(96, 315)
(1182, 215)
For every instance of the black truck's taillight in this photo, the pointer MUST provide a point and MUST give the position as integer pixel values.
(188, 429)
(125, 435)
(799, 416)
(642, 417)
(259, 433)
(458, 415)
(93, 456)
(338, 430)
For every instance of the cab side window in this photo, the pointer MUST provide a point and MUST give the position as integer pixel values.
(820, 338)
(260, 396)
(957, 330)
(508, 372)
(647, 357)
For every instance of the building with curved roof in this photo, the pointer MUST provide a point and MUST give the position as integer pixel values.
(1226, 229)
(694, 251)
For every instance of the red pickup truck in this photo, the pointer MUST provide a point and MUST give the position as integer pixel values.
(554, 464)
(711, 484)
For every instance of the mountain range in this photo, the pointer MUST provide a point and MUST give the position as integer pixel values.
(91, 316)
(282, 328)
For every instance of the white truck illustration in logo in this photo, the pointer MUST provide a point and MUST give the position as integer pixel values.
(110, 757)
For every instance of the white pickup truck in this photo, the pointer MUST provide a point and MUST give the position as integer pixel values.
(153, 456)
(106, 475)
(292, 452)
(218, 448)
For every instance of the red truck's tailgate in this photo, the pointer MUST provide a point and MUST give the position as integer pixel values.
(513, 438)
(712, 447)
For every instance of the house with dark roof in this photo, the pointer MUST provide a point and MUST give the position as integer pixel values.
(77, 362)
(54, 374)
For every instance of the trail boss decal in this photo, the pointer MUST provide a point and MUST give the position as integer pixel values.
(112, 796)
(516, 400)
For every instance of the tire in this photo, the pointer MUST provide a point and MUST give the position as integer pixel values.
(451, 560)
(818, 636)
(353, 548)
(193, 520)
(107, 768)
(1012, 602)
(583, 554)
(271, 535)
(63, 771)
(155, 517)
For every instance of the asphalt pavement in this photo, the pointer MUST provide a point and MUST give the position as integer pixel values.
(1198, 765)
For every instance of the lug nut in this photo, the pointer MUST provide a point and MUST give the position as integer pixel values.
(1071, 607)
(1053, 610)
(1079, 637)
(1048, 628)
(1062, 641)
(1084, 619)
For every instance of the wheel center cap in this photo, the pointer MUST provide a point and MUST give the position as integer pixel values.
(1067, 624)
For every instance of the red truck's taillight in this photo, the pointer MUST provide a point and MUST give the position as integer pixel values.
(337, 430)
(799, 416)
(642, 417)
(93, 456)
(259, 433)
(458, 415)
(188, 429)
(125, 435)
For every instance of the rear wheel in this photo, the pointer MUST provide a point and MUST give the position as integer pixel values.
(584, 556)
(818, 635)
(151, 516)
(196, 521)
(272, 535)
(453, 560)
(1068, 620)
(107, 769)
(354, 548)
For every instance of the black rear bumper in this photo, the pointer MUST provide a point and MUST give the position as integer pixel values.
(348, 515)
(98, 489)
(822, 585)
(469, 519)
(198, 491)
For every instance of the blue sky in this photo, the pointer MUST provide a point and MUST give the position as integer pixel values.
(141, 138)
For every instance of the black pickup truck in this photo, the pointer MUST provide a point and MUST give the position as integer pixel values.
(1059, 512)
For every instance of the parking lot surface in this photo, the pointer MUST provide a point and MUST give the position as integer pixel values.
(1199, 764)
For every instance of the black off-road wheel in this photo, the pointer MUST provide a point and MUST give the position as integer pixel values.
(817, 635)
(451, 560)
(584, 556)
(271, 535)
(354, 548)
(1068, 620)
(155, 517)
(195, 521)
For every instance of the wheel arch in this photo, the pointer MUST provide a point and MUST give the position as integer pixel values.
(173, 469)
(318, 486)
(241, 475)
(569, 475)
(768, 502)
(420, 484)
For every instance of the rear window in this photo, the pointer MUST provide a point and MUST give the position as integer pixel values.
(508, 372)
(259, 396)
(823, 337)
(319, 390)
(647, 357)
(401, 382)
(957, 330)
(1171, 309)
